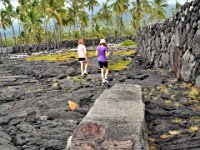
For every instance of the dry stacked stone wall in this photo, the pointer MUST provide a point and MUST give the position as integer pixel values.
(175, 43)
(67, 44)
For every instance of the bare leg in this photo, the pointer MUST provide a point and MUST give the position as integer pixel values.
(82, 67)
(106, 73)
(86, 65)
(102, 74)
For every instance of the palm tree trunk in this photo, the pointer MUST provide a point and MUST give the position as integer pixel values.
(14, 37)
(5, 40)
(55, 36)
(92, 29)
(1, 40)
(70, 32)
(26, 40)
(19, 30)
(45, 31)
(74, 34)
(60, 41)
(107, 24)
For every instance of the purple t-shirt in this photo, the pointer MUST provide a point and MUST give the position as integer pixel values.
(102, 53)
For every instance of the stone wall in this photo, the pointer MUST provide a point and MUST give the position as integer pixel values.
(175, 43)
(64, 44)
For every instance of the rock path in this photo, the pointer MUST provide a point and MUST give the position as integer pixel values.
(34, 95)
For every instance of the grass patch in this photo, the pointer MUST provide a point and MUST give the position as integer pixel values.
(72, 55)
(120, 65)
(193, 129)
(59, 57)
(163, 89)
(168, 102)
(128, 43)
(177, 120)
(195, 119)
(177, 105)
(124, 52)
(194, 93)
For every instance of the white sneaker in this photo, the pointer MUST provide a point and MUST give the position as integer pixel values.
(106, 81)
(85, 72)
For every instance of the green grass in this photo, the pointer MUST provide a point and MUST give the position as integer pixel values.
(59, 57)
(120, 65)
(128, 43)
(124, 52)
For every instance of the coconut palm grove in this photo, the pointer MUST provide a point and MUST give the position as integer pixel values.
(39, 21)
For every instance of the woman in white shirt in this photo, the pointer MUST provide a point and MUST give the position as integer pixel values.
(82, 57)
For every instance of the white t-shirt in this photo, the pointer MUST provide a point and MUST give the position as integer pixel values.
(81, 51)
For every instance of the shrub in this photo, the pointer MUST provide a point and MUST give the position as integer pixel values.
(128, 43)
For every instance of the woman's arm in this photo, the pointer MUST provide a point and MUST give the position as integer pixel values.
(107, 53)
(97, 53)
(85, 50)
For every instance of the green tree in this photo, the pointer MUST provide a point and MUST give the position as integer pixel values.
(4, 23)
(140, 8)
(83, 20)
(177, 7)
(69, 20)
(158, 12)
(11, 16)
(91, 5)
(106, 15)
(74, 8)
(119, 8)
(55, 9)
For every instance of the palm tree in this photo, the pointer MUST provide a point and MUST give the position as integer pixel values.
(177, 7)
(4, 23)
(139, 9)
(83, 20)
(55, 10)
(43, 7)
(119, 8)
(75, 7)
(158, 10)
(91, 5)
(106, 15)
(34, 20)
(21, 15)
(69, 20)
(11, 16)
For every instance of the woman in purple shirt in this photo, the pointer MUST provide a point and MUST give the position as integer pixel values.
(102, 53)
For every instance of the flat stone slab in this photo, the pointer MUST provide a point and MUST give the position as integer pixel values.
(115, 122)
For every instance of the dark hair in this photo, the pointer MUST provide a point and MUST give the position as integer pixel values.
(104, 44)
(81, 41)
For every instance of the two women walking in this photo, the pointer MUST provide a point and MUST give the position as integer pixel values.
(101, 52)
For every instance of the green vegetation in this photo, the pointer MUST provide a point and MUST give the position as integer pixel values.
(128, 43)
(120, 65)
(72, 55)
(53, 21)
(59, 57)
(124, 52)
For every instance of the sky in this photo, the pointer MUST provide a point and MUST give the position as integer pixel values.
(170, 2)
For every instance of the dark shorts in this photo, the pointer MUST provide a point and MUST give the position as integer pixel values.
(103, 64)
(81, 59)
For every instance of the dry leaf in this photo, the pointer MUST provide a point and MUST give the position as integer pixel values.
(174, 132)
